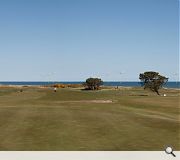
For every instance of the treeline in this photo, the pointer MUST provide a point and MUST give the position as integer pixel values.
(149, 80)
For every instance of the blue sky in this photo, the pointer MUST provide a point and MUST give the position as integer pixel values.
(71, 40)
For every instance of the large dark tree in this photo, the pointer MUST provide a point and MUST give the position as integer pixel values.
(152, 80)
(93, 83)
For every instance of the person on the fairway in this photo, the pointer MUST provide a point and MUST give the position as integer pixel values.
(55, 89)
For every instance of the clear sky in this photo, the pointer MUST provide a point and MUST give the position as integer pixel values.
(71, 40)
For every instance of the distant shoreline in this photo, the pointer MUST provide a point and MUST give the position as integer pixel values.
(169, 85)
(50, 86)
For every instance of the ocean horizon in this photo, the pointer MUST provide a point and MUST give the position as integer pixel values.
(171, 84)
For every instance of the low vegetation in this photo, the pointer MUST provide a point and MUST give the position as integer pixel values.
(71, 119)
(66, 85)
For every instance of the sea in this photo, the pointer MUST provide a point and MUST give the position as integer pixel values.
(106, 83)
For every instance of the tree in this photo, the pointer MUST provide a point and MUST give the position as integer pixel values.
(93, 83)
(152, 80)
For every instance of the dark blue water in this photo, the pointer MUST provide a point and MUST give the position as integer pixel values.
(125, 84)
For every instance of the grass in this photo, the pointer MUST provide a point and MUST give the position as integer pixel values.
(39, 119)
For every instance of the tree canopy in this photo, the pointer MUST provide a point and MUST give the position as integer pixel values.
(152, 80)
(93, 83)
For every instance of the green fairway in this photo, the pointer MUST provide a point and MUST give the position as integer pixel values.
(73, 119)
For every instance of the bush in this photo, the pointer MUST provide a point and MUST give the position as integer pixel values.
(58, 85)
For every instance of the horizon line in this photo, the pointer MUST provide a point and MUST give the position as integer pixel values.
(81, 81)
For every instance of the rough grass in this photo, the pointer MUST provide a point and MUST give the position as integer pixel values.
(39, 119)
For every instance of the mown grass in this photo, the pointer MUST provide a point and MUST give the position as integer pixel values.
(39, 119)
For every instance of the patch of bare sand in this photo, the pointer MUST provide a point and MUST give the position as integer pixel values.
(87, 101)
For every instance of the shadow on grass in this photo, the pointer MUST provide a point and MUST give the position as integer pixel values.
(139, 95)
(87, 89)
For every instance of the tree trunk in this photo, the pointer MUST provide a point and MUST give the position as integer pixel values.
(157, 92)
